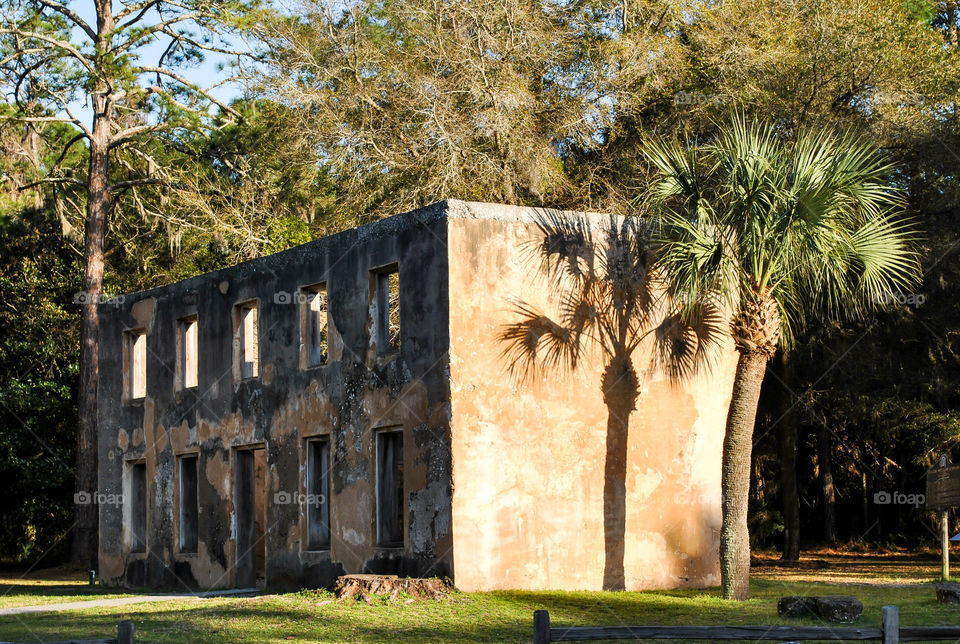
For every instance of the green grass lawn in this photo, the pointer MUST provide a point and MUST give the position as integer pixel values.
(473, 617)
(58, 585)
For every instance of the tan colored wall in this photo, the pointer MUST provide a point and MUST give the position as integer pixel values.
(528, 458)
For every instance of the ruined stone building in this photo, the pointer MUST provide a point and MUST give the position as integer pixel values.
(344, 406)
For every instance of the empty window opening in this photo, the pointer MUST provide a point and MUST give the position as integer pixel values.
(246, 343)
(314, 325)
(386, 306)
(135, 363)
(138, 507)
(318, 491)
(250, 480)
(189, 508)
(187, 366)
(390, 504)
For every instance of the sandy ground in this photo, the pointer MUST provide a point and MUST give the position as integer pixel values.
(890, 568)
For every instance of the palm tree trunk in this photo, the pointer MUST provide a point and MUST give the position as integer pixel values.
(620, 393)
(735, 483)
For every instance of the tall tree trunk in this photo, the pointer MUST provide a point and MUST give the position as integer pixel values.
(619, 394)
(735, 483)
(85, 543)
(787, 438)
(825, 461)
(98, 206)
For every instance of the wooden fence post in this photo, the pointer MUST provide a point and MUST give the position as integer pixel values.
(541, 627)
(125, 632)
(891, 625)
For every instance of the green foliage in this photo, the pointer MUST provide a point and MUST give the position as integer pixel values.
(39, 277)
(811, 223)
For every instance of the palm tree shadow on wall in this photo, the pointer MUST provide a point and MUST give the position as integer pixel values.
(609, 294)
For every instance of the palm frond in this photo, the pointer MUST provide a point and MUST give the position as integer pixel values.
(566, 244)
(537, 342)
(689, 340)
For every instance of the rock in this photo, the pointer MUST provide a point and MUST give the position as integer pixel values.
(948, 593)
(796, 606)
(832, 608)
(839, 608)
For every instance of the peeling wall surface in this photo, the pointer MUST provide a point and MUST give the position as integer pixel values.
(502, 480)
(361, 389)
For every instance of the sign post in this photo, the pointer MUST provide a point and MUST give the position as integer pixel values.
(943, 493)
(944, 546)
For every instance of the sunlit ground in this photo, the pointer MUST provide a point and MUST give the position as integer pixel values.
(877, 580)
(50, 586)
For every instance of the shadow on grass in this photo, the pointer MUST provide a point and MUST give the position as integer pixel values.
(270, 624)
(503, 616)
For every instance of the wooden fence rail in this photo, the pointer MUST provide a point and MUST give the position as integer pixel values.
(889, 633)
(124, 636)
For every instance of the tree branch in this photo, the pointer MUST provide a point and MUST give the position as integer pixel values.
(40, 182)
(185, 82)
(72, 15)
(66, 148)
(142, 7)
(22, 52)
(76, 121)
(124, 135)
(198, 45)
(67, 47)
(133, 183)
(40, 119)
(149, 31)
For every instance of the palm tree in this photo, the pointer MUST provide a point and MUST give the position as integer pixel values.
(610, 295)
(787, 231)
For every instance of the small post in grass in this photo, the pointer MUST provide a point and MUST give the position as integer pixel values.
(945, 545)
(891, 625)
(125, 632)
(541, 627)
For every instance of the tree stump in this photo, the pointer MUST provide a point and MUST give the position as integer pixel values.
(365, 587)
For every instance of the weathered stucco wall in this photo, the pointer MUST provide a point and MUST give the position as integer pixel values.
(528, 458)
(357, 392)
(503, 481)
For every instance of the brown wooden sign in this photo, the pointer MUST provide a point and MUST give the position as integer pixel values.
(943, 487)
